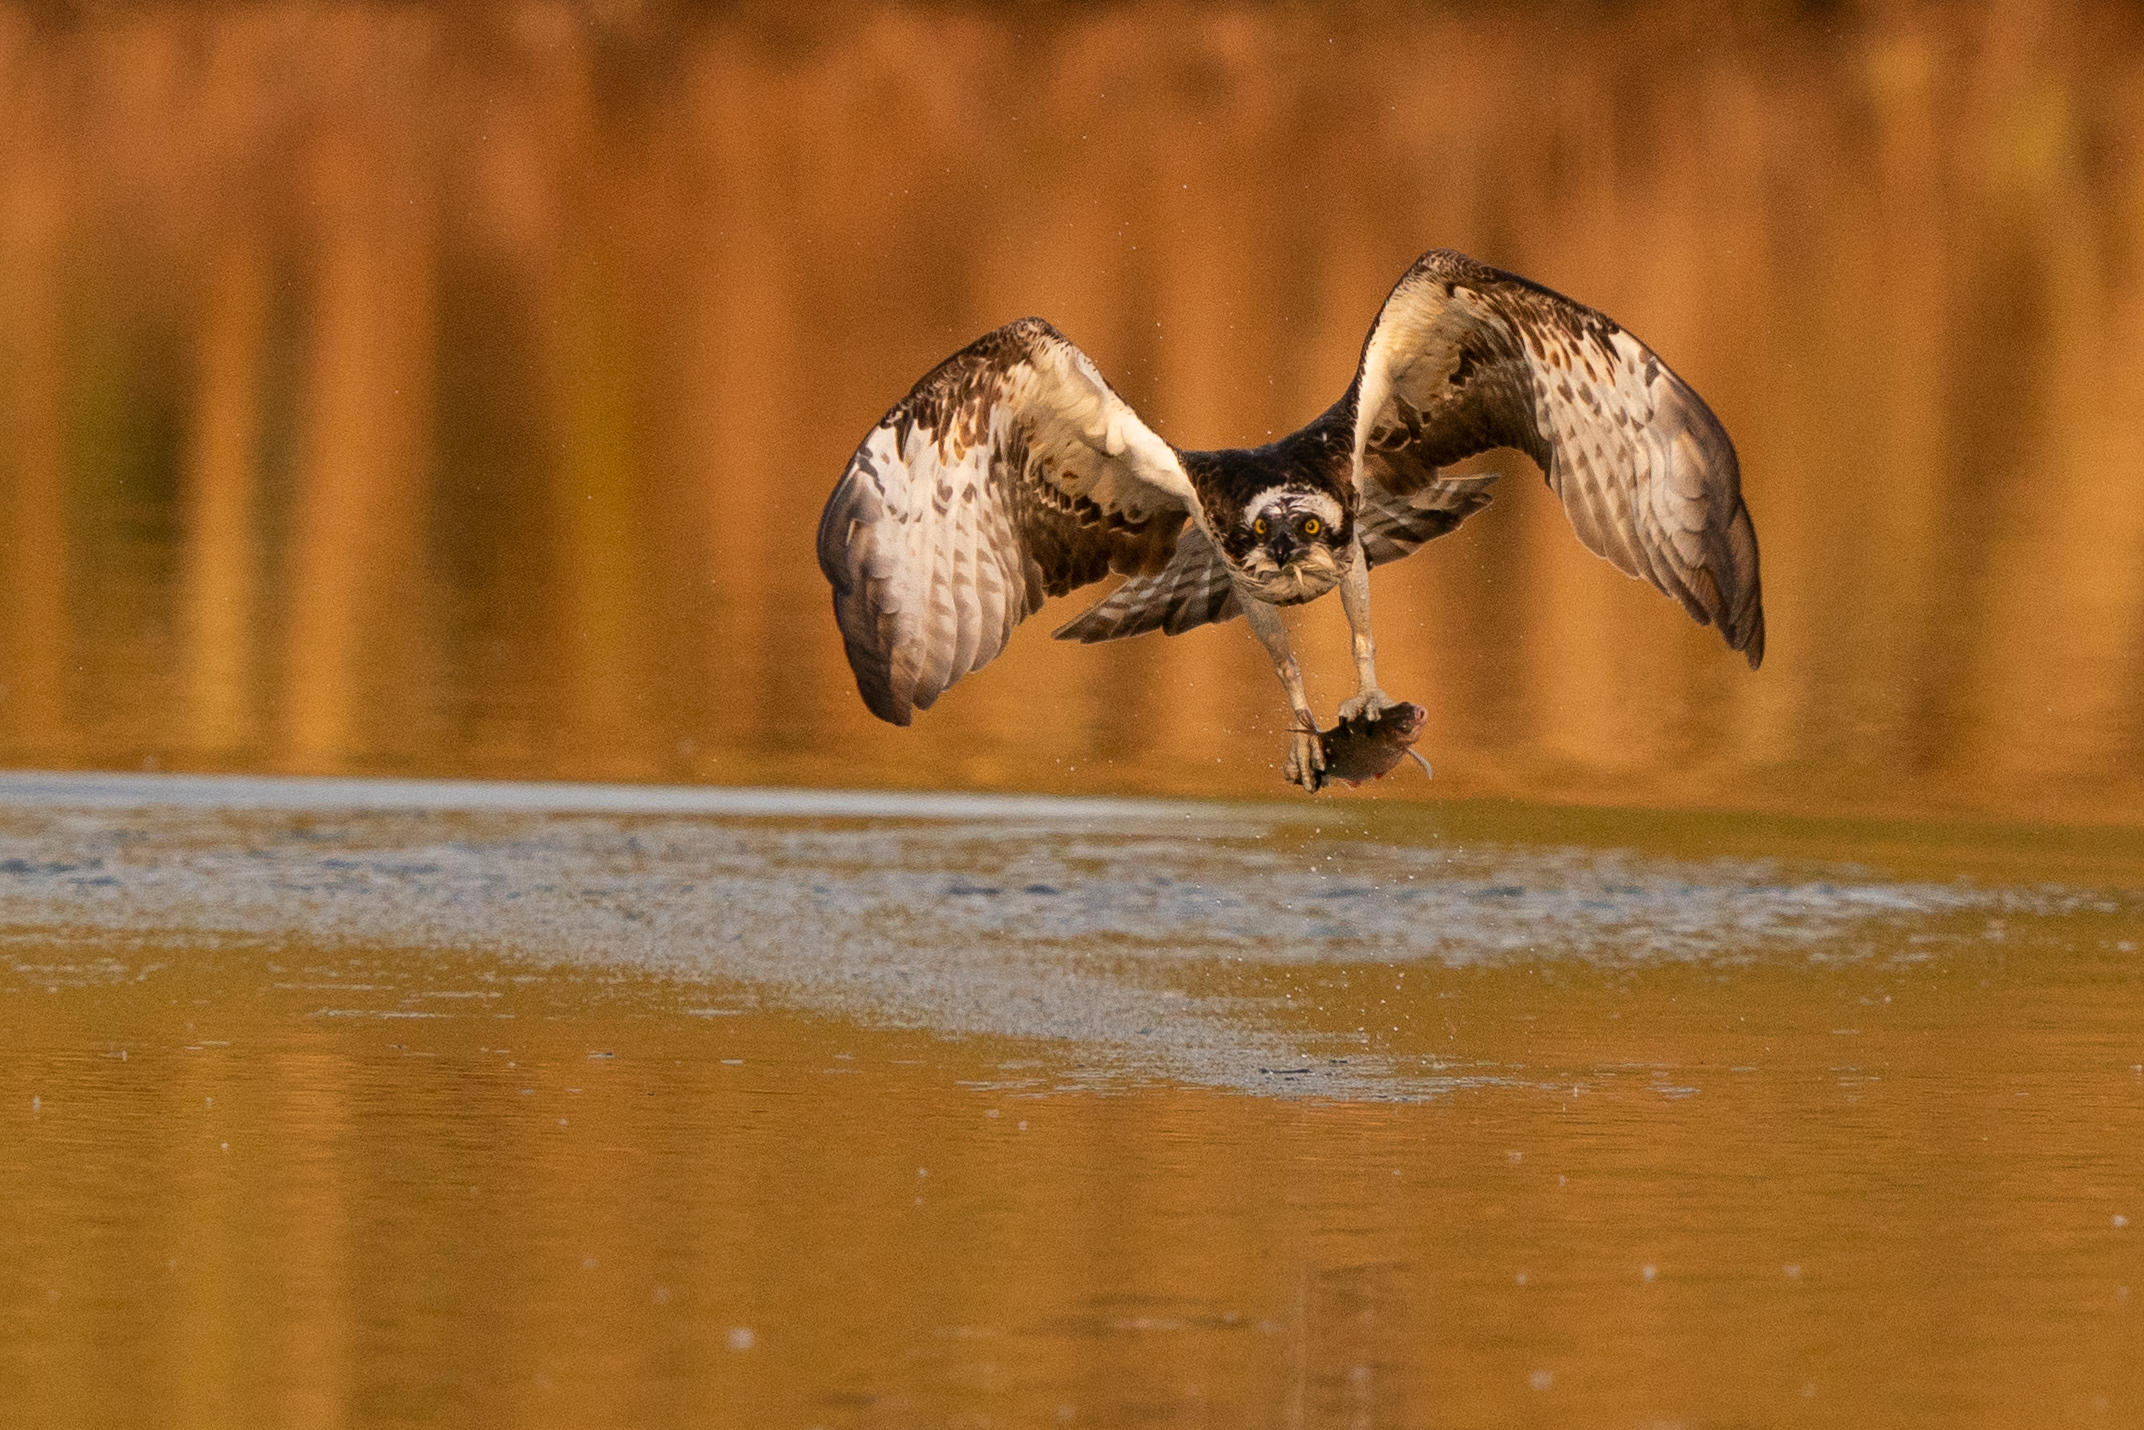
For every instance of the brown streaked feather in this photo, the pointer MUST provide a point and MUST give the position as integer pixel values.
(1464, 358)
(1191, 591)
(1391, 525)
(1012, 472)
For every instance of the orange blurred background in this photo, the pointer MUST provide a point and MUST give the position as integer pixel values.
(454, 389)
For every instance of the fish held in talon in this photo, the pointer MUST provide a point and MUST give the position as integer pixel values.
(1013, 472)
(1370, 744)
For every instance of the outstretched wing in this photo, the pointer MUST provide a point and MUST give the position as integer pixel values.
(1012, 472)
(1464, 358)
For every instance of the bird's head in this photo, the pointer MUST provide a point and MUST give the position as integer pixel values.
(1291, 542)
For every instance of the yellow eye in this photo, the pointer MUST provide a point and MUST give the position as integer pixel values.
(1311, 527)
(1259, 526)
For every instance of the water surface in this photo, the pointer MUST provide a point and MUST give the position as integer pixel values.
(453, 390)
(1034, 1112)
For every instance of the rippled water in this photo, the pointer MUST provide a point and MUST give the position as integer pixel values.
(751, 1107)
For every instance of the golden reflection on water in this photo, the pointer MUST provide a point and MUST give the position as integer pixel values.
(438, 389)
(411, 1187)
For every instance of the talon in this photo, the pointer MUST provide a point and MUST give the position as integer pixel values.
(1305, 764)
(1370, 702)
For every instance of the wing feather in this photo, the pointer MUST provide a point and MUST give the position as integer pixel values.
(1011, 472)
(1193, 590)
(967, 600)
(1464, 358)
(1390, 526)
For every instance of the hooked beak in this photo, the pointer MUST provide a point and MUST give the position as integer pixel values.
(1281, 547)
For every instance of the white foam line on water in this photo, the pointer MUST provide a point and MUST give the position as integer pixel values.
(57, 790)
(966, 914)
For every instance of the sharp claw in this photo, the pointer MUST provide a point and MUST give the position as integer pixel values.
(1372, 703)
(1305, 764)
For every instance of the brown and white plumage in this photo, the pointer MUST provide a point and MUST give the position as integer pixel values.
(1013, 471)
(1464, 358)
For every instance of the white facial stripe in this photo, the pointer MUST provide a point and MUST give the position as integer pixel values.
(1321, 506)
(1288, 502)
(1264, 504)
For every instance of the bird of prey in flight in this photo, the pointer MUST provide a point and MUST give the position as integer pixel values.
(1014, 472)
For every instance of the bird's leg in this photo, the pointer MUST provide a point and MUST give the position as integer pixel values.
(1306, 757)
(1355, 600)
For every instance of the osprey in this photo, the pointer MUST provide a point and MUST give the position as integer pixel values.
(1014, 472)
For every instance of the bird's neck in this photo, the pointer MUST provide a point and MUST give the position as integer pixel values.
(1319, 455)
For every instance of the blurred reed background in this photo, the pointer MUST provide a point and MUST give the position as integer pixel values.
(453, 389)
